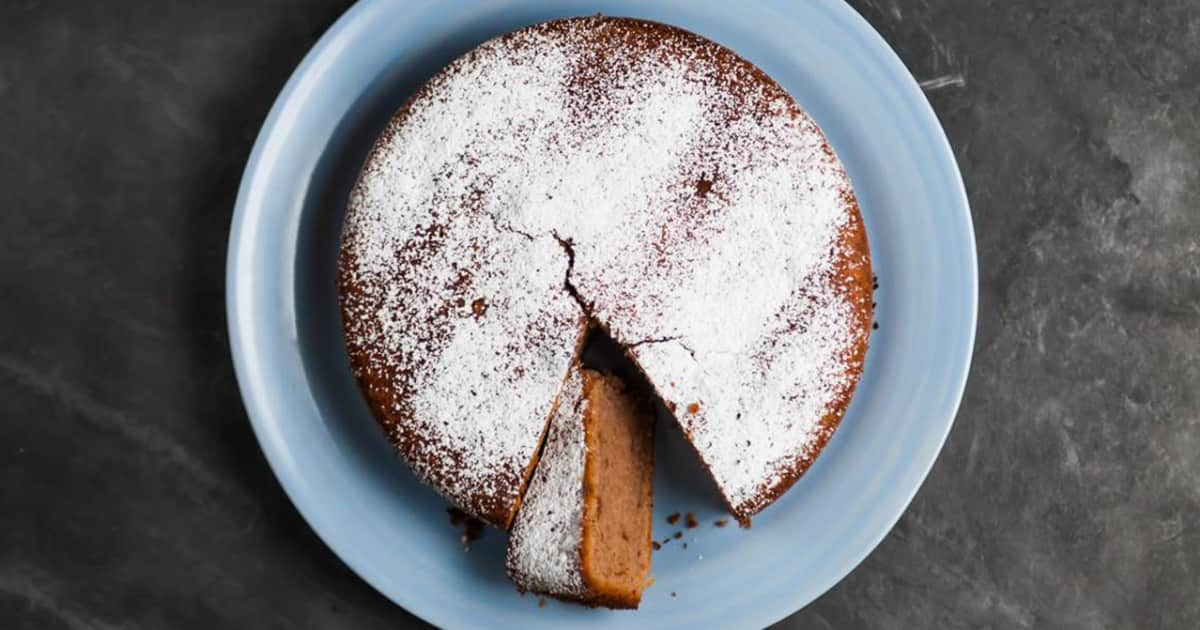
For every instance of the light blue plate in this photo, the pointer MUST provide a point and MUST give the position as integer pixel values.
(331, 460)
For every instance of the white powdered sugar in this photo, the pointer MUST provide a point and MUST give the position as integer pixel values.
(467, 321)
(544, 549)
(692, 209)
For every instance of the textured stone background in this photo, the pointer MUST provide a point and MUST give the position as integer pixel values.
(132, 493)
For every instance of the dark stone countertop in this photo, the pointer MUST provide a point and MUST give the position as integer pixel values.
(133, 494)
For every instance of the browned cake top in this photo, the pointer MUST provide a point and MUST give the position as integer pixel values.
(620, 169)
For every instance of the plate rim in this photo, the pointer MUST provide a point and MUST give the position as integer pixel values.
(254, 177)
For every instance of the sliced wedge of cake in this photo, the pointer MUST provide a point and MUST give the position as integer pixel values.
(583, 531)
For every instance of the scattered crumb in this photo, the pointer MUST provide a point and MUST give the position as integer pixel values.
(674, 518)
(654, 543)
(721, 522)
(542, 603)
(672, 593)
(692, 523)
(875, 326)
(472, 532)
(677, 535)
(472, 527)
(479, 307)
(665, 541)
(685, 545)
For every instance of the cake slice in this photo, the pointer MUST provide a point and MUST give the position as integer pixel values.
(583, 530)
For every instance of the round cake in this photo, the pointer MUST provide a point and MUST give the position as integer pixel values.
(613, 173)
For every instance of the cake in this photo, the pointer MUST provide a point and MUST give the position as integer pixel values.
(617, 174)
(583, 532)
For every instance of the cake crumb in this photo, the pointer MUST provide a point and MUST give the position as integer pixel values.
(672, 593)
(471, 532)
(674, 518)
(721, 522)
(654, 543)
(685, 545)
(479, 307)
(677, 535)
(542, 603)
(472, 527)
(693, 408)
(692, 523)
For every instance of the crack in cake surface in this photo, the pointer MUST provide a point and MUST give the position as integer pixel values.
(642, 342)
(569, 249)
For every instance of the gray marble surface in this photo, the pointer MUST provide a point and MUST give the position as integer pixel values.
(133, 495)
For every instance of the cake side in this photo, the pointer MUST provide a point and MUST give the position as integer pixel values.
(618, 492)
(583, 532)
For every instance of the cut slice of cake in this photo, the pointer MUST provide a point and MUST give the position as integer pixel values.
(583, 531)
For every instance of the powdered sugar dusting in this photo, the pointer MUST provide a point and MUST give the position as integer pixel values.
(544, 549)
(703, 210)
(465, 320)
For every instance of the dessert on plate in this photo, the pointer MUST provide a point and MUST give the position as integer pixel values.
(612, 175)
